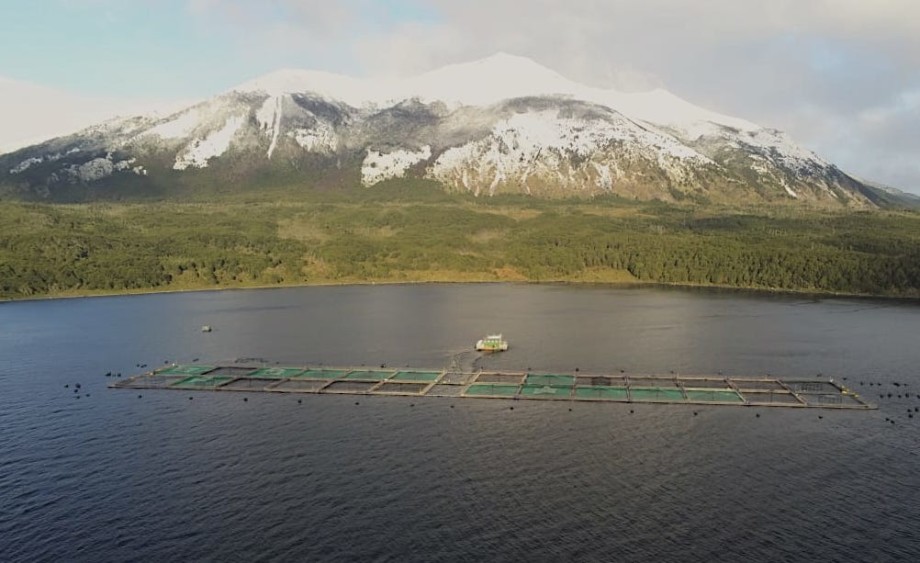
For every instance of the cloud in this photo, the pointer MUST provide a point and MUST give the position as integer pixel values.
(833, 73)
(31, 113)
(841, 76)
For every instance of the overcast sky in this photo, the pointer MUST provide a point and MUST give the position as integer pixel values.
(841, 76)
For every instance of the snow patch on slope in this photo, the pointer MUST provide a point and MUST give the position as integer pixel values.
(180, 127)
(26, 164)
(335, 87)
(378, 166)
(99, 168)
(543, 143)
(269, 118)
(200, 151)
(320, 138)
(486, 82)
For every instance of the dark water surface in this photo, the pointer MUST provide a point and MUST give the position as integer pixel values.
(109, 476)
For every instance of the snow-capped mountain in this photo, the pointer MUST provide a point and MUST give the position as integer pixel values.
(499, 125)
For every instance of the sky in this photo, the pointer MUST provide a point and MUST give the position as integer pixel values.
(842, 77)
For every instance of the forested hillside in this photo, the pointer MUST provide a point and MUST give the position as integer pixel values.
(388, 235)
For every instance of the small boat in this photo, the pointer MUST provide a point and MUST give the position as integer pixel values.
(492, 343)
(206, 328)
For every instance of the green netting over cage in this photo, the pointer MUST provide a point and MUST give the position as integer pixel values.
(601, 392)
(546, 391)
(370, 375)
(201, 381)
(550, 379)
(186, 370)
(713, 396)
(322, 374)
(655, 394)
(276, 373)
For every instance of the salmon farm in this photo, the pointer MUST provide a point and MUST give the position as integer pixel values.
(821, 393)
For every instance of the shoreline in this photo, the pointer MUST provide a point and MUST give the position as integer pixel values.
(631, 284)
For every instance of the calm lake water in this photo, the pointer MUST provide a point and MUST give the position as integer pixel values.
(110, 476)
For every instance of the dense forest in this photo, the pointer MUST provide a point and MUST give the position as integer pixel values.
(398, 233)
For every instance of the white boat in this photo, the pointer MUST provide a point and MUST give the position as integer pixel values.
(492, 343)
(206, 328)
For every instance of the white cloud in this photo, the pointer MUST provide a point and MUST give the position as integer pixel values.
(833, 73)
(841, 76)
(31, 113)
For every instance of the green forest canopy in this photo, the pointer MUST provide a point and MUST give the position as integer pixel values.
(401, 235)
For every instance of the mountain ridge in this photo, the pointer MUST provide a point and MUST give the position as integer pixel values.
(503, 124)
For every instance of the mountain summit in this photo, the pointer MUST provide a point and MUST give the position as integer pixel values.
(503, 124)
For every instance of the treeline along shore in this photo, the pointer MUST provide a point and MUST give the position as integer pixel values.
(400, 234)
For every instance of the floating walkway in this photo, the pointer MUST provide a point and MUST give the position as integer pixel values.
(622, 388)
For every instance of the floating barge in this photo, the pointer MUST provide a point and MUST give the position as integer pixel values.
(410, 382)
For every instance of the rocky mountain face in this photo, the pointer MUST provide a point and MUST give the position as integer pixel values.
(500, 125)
